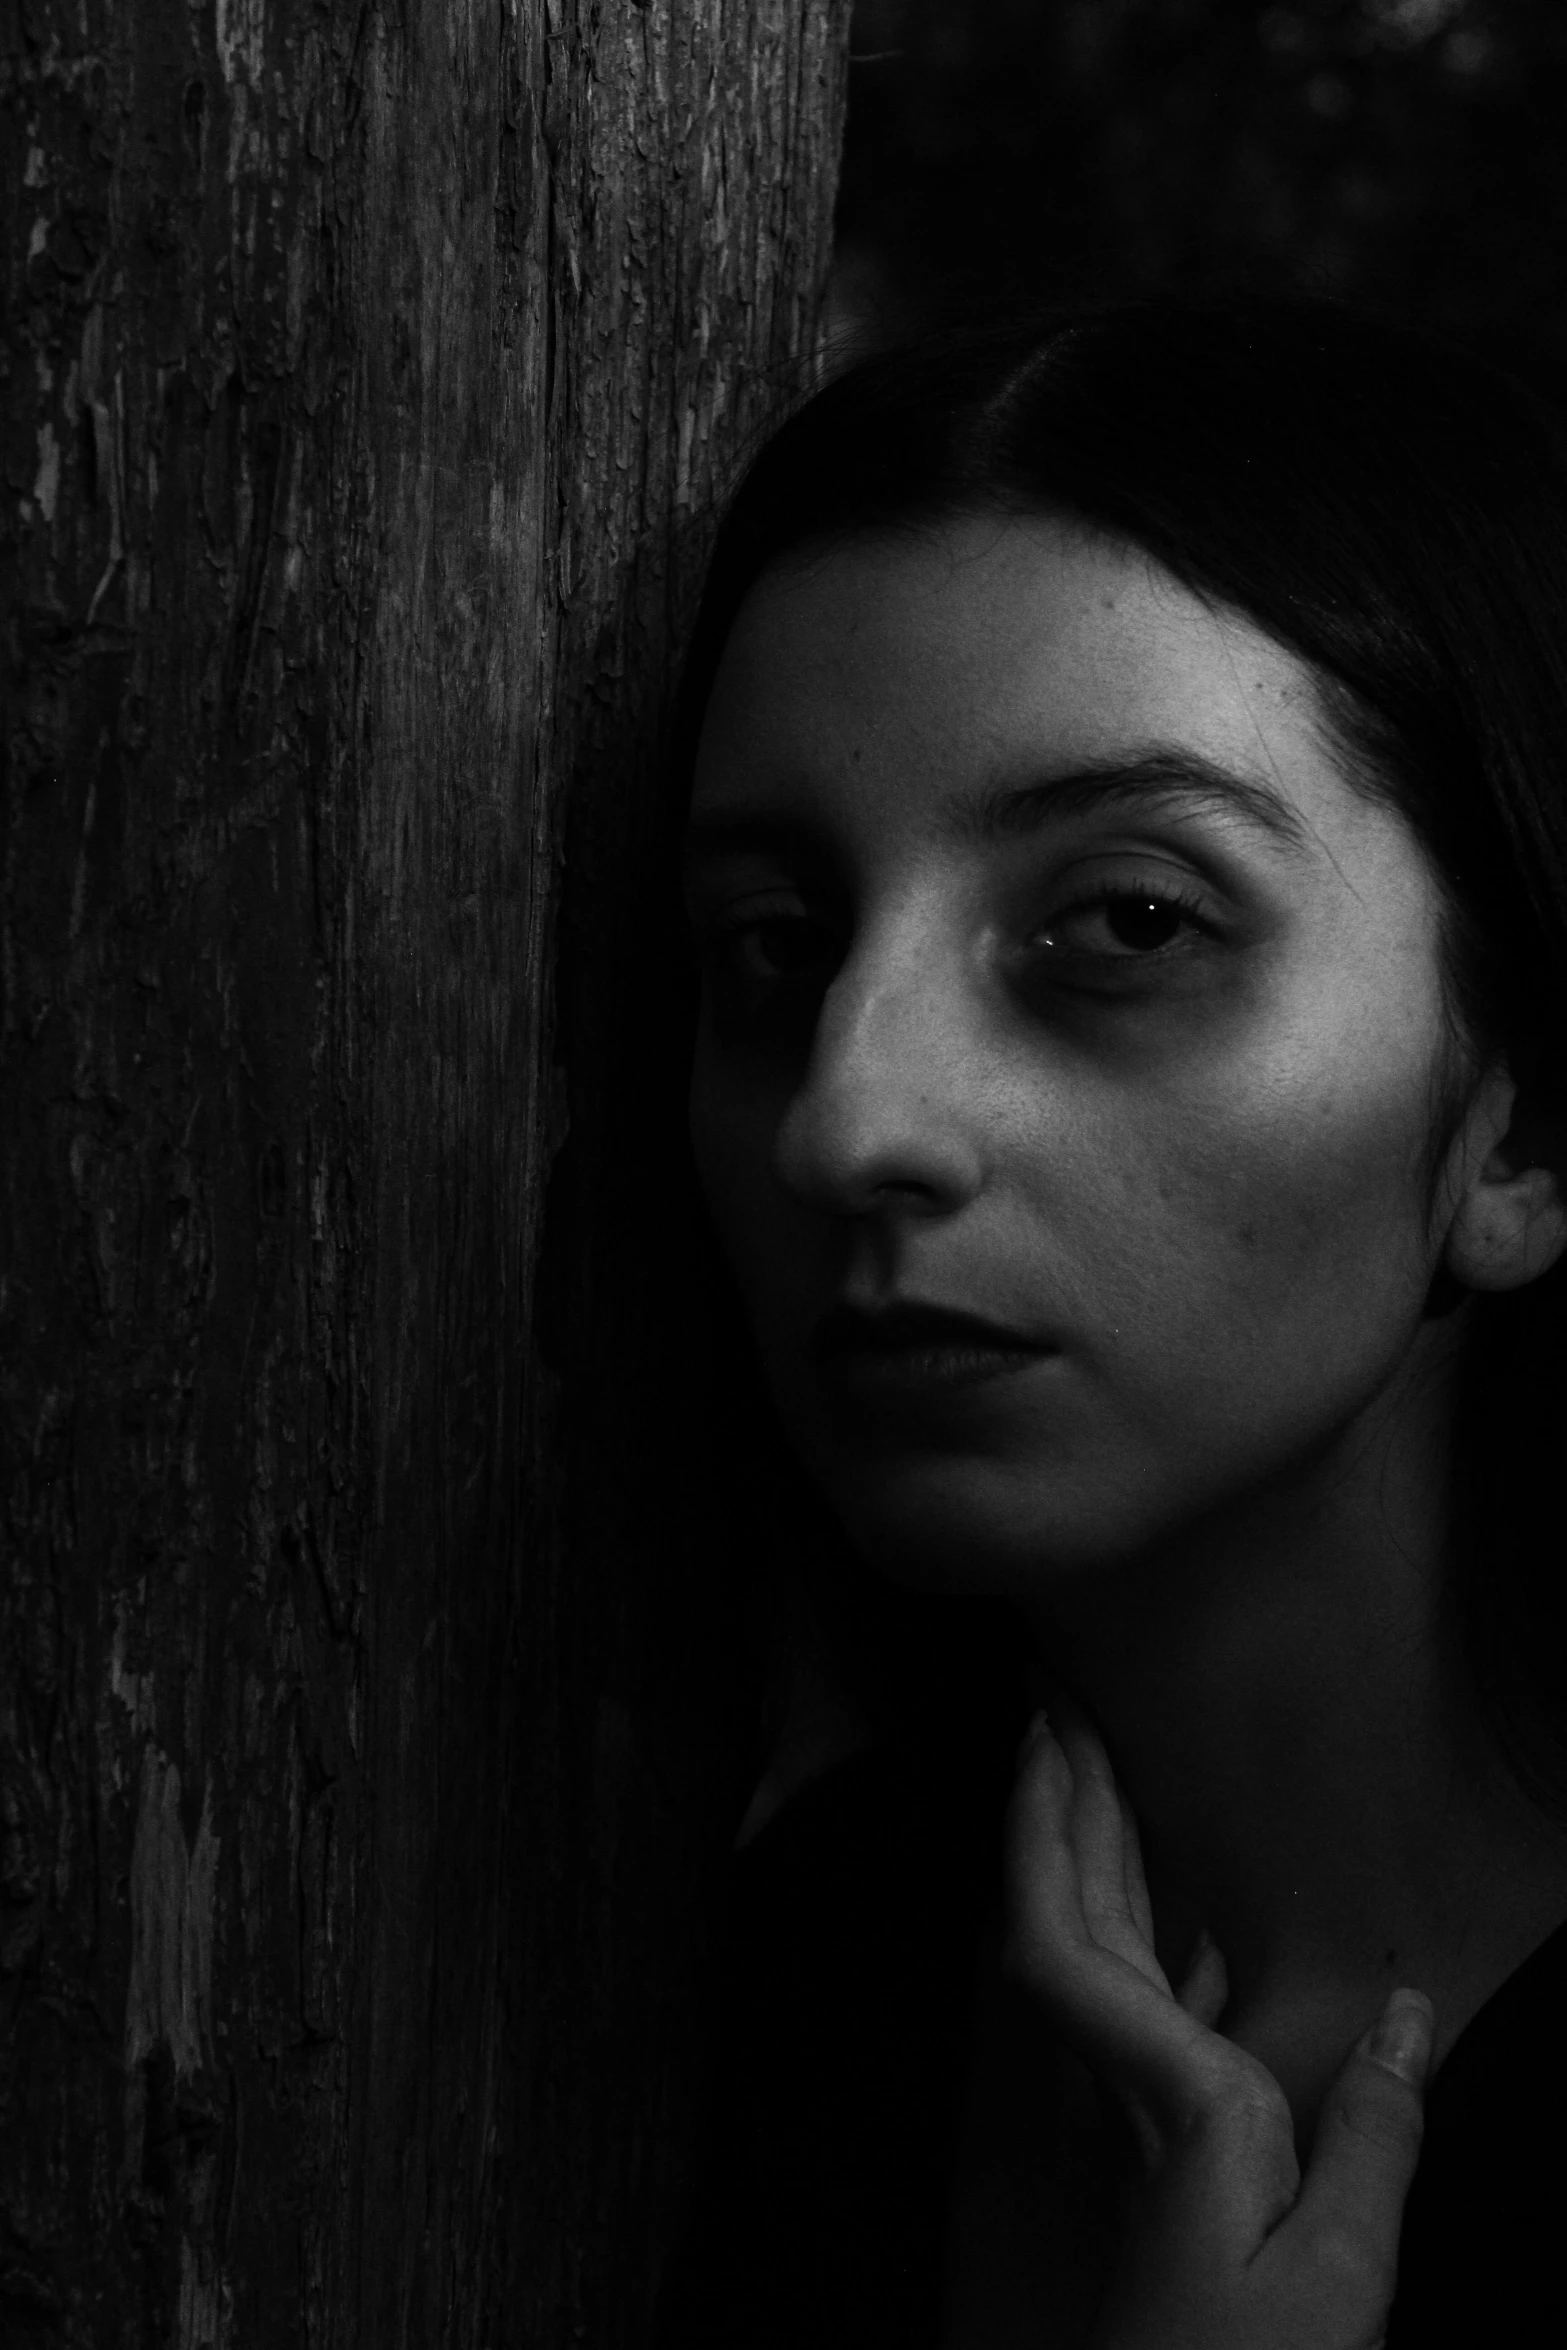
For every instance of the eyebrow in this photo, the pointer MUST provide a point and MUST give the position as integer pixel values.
(1164, 779)
(1161, 780)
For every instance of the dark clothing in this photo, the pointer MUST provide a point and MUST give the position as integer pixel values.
(1483, 2255)
(821, 2221)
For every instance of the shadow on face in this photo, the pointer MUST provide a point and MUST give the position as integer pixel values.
(1071, 1035)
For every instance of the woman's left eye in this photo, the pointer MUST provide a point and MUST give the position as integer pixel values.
(1119, 925)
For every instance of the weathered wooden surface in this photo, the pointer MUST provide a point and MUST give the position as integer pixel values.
(371, 371)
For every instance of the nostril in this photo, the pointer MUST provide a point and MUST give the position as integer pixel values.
(896, 1189)
(863, 1152)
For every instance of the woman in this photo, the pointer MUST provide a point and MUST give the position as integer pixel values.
(1128, 860)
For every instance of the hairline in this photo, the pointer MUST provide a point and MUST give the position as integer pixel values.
(1337, 708)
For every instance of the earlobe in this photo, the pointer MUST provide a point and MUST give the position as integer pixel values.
(1510, 1223)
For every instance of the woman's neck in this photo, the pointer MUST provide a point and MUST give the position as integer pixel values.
(1312, 1781)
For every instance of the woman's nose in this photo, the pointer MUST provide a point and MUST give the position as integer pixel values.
(884, 1121)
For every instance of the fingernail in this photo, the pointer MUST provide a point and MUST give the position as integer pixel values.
(1401, 2037)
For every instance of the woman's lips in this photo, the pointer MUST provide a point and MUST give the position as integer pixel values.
(910, 1349)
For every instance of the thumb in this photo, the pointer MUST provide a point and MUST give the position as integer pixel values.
(1205, 1987)
(1368, 2139)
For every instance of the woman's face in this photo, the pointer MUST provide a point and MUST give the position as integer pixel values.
(1070, 1048)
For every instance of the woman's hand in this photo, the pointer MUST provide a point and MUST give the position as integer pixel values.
(1227, 2246)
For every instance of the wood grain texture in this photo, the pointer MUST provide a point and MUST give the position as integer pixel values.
(371, 376)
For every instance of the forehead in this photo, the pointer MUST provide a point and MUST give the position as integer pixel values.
(897, 667)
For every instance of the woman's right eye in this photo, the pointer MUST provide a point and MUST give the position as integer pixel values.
(769, 967)
(779, 946)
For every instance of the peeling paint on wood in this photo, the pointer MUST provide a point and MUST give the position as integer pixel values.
(371, 373)
(168, 1997)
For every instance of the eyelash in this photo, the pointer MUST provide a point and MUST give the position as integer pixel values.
(782, 998)
(725, 934)
(761, 1004)
(1167, 893)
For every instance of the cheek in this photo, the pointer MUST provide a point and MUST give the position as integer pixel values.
(726, 1145)
(1235, 1302)
(733, 1130)
(1264, 1240)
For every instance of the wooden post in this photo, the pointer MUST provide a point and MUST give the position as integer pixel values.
(372, 373)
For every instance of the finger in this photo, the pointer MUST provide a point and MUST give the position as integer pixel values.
(1096, 1823)
(1117, 2011)
(1105, 1845)
(1052, 1940)
(1228, 2174)
(1205, 1987)
(1137, 1901)
(1039, 1733)
(1368, 2139)
(1041, 1867)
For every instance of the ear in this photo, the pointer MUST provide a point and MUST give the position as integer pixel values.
(1509, 1221)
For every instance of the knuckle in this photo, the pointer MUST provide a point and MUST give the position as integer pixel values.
(1250, 2103)
(1238, 2109)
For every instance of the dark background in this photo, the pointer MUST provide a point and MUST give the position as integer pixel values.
(1406, 153)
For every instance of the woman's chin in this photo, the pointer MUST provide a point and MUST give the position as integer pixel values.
(960, 1531)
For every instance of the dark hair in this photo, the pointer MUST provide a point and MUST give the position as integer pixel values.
(1394, 511)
